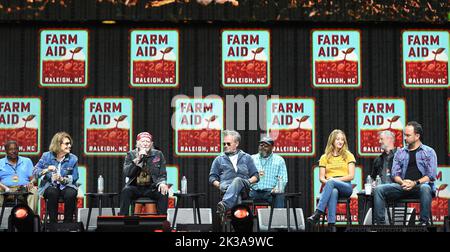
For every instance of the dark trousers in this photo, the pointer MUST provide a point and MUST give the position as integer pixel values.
(131, 192)
(70, 199)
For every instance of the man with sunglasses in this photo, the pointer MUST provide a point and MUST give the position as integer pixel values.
(271, 168)
(232, 172)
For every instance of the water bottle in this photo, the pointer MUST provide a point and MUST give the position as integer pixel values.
(368, 185)
(100, 184)
(184, 185)
(378, 180)
(280, 185)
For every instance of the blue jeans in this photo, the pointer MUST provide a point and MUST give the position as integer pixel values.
(332, 190)
(394, 191)
(232, 192)
(267, 197)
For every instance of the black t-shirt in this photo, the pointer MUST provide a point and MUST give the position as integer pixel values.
(412, 171)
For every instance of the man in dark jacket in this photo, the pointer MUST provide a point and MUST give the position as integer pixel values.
(382, 165)
(145, 172)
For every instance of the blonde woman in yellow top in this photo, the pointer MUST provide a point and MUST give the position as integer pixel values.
(337, 169)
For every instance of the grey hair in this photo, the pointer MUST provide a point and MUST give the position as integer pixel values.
(235, 134)
(387, 133)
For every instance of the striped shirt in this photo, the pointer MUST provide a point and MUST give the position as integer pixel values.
(272, 167)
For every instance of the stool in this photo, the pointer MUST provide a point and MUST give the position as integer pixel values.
(149, 206)
(288, 199)
(346, 201)
(397, 212)
(16, 196)
(99, 197)
(60, 200)
(195, 205)
(254, 204)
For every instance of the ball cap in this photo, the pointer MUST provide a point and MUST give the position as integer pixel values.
(266, 140)
(144, 135)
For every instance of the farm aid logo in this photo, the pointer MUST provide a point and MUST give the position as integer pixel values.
(245, 58)
(154, 58)
(63, 58)
(107, 126)
(198, 126)
(336, 59)
(375, 115)
(291, 123)
(425, 59)
(20, 120)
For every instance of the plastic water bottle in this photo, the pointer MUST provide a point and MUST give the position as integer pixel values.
(368, 185)
(378, 181)
(184, 185)
(100, 184)
(280, 185)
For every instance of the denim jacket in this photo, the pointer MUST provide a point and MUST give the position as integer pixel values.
(223, 171)
(426, 160)
(69, 170)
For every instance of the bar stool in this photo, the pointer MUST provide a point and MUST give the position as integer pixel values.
(396, 212)
(148, 203)
(60, 200)
(288, 199)
(195, 205)
(346, 201)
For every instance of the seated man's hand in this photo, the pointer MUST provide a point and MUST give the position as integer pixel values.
(163, 189)
(408, 184)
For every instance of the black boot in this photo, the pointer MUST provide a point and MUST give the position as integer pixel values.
(315, 218)
(332, 227)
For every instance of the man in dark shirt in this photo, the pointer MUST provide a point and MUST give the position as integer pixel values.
(413, 171)
(382, 165)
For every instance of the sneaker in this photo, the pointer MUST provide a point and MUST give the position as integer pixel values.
(220, 208)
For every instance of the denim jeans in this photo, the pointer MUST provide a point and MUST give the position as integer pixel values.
(394, 191)
(267, 197)
(332, 190)
(232, 192)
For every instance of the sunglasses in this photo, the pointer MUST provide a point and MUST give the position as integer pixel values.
(226, 144)
(67, 143)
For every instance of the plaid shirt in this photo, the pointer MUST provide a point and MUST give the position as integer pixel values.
(426, 161)
(273, 166)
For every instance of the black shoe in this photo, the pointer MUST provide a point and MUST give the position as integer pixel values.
(424, 223)
(332, 228)
(220, 208)
(315, 218)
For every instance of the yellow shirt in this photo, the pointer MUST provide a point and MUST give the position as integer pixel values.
(336, 166)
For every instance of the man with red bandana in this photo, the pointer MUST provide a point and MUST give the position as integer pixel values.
(145, 168)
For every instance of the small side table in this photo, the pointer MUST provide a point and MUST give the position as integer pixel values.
(99, 197)
(288, 198)
(367, 203)
(196, 208)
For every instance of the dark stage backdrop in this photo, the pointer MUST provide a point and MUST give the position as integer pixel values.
(200, 65)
